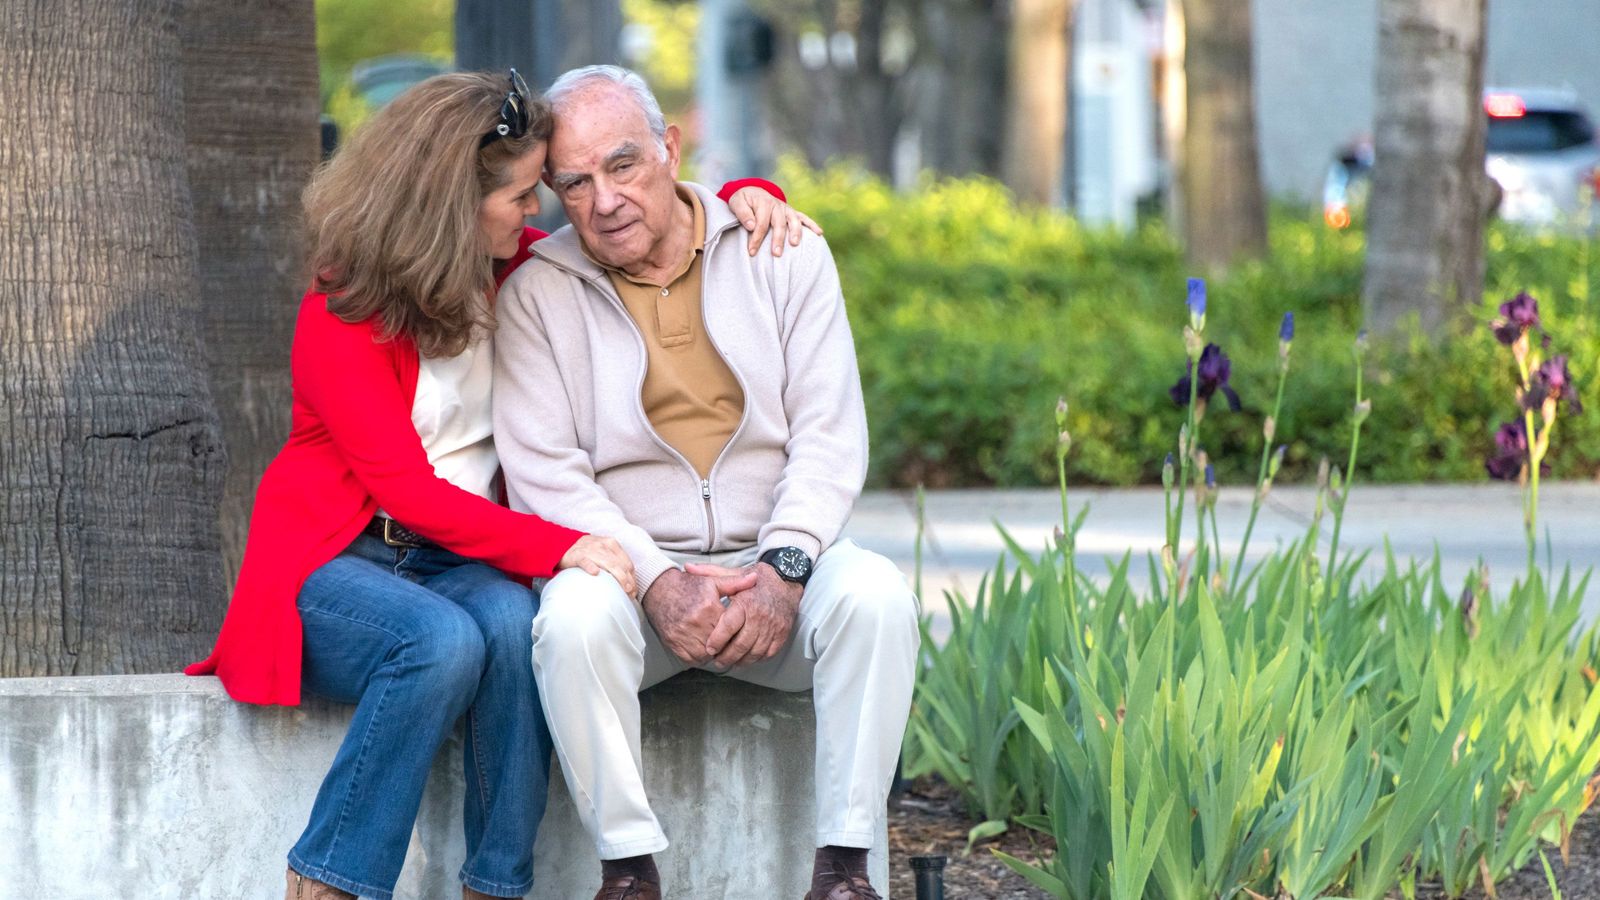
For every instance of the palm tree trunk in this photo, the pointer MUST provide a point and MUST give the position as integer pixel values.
(250, 101)
(1036, 120)
(112, 462)
(1224, 208)
(1429, 190)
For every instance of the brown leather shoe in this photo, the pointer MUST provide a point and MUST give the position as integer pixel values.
(302, 888)
(470, 894)
(846, 887)
(628, 887)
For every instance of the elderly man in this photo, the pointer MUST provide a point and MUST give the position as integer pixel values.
(657, 383)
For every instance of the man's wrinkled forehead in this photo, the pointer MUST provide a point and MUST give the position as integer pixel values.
(625, 152)
(600, 121)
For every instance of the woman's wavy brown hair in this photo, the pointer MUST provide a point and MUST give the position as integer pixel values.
(392, 219)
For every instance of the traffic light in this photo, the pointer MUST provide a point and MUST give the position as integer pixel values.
(749, 45)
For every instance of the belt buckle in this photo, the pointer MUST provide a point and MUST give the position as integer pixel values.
(388, 525)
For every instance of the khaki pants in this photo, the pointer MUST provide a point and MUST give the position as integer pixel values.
(854, 644)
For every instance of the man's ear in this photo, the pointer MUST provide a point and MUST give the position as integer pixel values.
(673, 140)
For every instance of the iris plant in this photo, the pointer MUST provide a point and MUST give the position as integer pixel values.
(1544, 388)
(1215, 368)
(1271, 460)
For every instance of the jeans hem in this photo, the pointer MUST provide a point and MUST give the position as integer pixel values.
(636, 847)
(334, 879)
(496, 888)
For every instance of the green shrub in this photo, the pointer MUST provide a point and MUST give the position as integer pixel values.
(972, 316)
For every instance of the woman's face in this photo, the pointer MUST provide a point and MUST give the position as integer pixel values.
(502, 213)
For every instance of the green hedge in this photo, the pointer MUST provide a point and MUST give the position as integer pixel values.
(972, 316)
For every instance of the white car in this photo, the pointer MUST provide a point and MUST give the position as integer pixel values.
(1542, 150)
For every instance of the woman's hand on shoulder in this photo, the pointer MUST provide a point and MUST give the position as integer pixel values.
(595, 554)
(760, 212)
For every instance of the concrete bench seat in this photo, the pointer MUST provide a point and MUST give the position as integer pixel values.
(159, 786)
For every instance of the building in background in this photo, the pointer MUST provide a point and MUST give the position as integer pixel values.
(1114, 163)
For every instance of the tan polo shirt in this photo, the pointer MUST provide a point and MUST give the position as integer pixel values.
(690, 395)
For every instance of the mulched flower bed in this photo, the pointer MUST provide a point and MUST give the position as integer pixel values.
(928, 819)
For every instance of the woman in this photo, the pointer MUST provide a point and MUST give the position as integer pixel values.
(376, 571)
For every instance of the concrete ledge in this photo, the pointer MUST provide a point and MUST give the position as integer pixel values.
(159, 786)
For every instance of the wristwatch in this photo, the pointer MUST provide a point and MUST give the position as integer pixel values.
(791, 564)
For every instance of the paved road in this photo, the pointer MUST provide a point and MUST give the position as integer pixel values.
(1463, 523)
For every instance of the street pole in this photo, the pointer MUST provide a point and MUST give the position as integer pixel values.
(734, 48)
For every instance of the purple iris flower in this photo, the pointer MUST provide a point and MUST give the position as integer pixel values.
(1510, 452)
(1286, 330)
(1197, 296)
(1517, 315)
(1553, 380)
(1214, 370)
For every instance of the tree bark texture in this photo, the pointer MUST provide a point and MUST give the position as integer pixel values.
(111, 459)
(250, 104)
(1037, 95)
(1224, 205)
(1429, 190)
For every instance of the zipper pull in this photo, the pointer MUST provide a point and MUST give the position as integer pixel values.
(705, 490)
(299, 882)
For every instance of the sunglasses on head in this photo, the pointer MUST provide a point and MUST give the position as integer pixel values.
(513, 113)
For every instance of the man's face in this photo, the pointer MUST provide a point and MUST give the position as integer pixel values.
(607, 169)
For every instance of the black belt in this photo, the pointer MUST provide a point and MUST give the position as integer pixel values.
(396, 535)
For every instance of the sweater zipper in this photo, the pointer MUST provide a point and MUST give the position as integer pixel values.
(711, 519)
(638, 403)
(744, 412)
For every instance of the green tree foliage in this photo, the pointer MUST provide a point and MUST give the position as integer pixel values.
(670, 60)
(349, 31)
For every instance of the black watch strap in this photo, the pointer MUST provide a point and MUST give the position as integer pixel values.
(791, 563)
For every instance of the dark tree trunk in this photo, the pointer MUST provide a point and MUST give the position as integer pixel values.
(1036, 122)
(1224, 209)
(112, 461)
(1429, 190)
(837, 109)
(250, 101)
(962, 111)
(543, 38)
(878, 115)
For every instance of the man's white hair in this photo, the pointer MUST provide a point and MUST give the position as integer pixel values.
(574, 80)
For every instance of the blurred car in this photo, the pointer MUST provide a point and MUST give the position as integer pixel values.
(384, 78)
(1542, 151)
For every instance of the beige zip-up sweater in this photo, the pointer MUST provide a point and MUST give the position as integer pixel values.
(577, 447)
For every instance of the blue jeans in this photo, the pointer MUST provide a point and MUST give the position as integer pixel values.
(417, 639)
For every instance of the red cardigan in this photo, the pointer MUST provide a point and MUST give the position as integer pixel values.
(352, 448)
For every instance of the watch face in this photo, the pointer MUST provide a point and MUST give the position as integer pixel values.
(791, 562)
